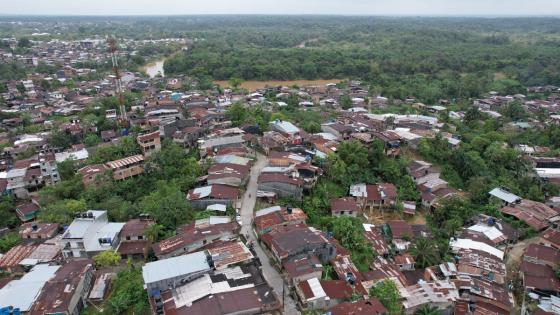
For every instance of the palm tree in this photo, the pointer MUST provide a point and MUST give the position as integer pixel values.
(424, 253)
(428, 310)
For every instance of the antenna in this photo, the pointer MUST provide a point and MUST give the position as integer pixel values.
(118, 83)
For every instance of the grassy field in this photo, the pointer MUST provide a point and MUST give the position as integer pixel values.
(253, 85)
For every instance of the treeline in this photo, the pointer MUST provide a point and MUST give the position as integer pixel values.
(431, 60)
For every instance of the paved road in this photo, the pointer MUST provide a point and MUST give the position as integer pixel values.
(247, 207)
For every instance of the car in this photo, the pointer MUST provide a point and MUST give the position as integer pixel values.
(238, 218)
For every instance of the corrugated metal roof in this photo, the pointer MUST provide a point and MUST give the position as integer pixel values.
(174, 267)
(504, 195)
(22, 293)
(126, 161)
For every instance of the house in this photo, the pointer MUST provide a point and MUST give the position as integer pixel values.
(10, 261)
(551, 237)
(283, 185)
(535, 214)
(126, 168)
(287, 129)
(302, 268)
(539, 279)
(374, 196)
(370, 306)
(289, 241)
(345, 206)
(67, 291)
(149, 143)
(108, 135)
(172, 272)
(439, 294)
(504, 196)
(38, 231)
(22, 293)
(134, 243)
(215, 144)
(27, 211)
(323, 294)
(196, 235)
(267, 219)
(228, 174)
(92, 173)
(188, 136)
(90, 233)
(233, 290)
(404, 261)
(374, 237)
(202, 197)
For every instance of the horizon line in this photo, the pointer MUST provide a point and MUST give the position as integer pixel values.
(557, 15)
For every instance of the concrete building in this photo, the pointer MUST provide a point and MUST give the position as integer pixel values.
(173, 272)
(149, 143)
(90, 233)
(66, 292)
(126, 168)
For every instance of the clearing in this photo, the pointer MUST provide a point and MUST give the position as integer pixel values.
(254, 85)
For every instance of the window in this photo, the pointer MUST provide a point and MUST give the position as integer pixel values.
(128, 238)
(140, 237)
(350, 212)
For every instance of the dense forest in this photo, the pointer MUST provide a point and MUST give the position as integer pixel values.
(429, 58)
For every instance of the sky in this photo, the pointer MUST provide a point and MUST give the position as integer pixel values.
(337, 7)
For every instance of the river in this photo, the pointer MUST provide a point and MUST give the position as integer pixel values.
(155, 67)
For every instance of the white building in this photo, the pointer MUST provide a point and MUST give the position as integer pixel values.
(90, 233)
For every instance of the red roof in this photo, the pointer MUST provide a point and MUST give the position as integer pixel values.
(370, 306)
(335, 289)
(280, 178)
(543, 253)
(380, 192)
(534, 213)
(400, 228)
(553, 236)
(344, 204)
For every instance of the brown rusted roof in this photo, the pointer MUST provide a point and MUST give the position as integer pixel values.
(370, 306)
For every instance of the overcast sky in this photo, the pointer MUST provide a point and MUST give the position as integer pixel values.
(345, 7)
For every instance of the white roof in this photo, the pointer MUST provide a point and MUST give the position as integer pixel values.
(110, 230)
(316, 288)
(266, 211)
(203, 286)
(74, 155)
(368, 227)
(491, 232)
(285, 126)
(358, 190)
(210, 143)
(406, 134)
(504, 195)
(232, 159)
(216, 207)
(22, 293)
(465, 243)
(174, 267)
(28, 139)
(79, 226)
(326, 135)
(201, 192)
(548, 172)
(16, 172)
(276, 169)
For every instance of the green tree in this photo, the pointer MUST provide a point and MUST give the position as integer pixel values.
(107, 258)
(8, 241)
(387, 293)
(428, 310)
(167, 205)
(237, 113)
(425, 253)
(24, 42)
(62, 211)
(91, 140)
(128, 295)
